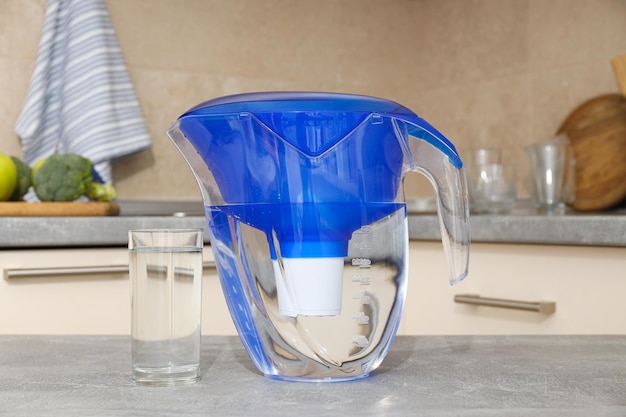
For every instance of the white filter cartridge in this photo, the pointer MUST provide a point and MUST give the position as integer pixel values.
(309, 286)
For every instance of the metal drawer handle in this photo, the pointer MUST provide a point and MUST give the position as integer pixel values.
(543, 307)
(78, 270)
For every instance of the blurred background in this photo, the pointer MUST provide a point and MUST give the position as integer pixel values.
(494, 73)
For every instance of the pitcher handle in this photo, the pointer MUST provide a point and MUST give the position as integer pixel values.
(431, 154)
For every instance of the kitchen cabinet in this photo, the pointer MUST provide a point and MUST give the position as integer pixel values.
(84, 302)
(586, 284)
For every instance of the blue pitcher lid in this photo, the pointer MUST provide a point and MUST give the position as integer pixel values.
(298, 101)
(294, 101)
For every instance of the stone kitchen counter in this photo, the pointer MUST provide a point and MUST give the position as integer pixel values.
(448, 376)
(524, 225)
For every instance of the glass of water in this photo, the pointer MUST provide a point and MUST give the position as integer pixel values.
(166, 280)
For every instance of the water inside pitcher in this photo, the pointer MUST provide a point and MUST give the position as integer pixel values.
(304, 201)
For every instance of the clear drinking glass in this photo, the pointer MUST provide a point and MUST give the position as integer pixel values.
(552, 174)
(166, 278)
(475, 161)
(495, 189)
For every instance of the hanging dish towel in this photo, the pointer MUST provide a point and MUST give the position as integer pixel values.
(81, 99)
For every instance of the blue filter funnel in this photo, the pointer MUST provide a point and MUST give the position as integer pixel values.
(309, 169)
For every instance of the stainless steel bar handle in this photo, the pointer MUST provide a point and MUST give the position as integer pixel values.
(75, 270)
(543, 307)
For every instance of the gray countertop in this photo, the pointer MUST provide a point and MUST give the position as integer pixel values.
(527, 226)
(424, 375)
(523, 225)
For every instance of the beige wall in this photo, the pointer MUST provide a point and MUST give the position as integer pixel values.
(485, 72)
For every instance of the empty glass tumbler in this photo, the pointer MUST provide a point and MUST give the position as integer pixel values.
(495, 189)
(552, 173)
(491, 184)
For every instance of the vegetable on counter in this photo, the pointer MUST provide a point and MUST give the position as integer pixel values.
(101, 192)
(23, 179)
(67, 177)
(60, 177)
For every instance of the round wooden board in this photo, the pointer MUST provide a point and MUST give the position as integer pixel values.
(597, 131)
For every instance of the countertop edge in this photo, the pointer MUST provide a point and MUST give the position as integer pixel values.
(580, 230)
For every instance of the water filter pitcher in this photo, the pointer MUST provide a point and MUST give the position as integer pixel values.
(305, 206)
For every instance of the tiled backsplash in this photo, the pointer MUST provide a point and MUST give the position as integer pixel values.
(500, 73)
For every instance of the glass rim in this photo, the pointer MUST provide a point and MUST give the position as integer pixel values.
(167, 230)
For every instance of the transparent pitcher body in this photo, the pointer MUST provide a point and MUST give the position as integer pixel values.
(347, 345)
(304, 201)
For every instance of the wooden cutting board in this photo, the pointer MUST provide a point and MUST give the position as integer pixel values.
(597, 132)
(58, 209)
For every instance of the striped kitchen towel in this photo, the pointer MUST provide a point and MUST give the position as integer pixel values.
(80, 99)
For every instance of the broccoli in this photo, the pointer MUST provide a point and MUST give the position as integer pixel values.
(23, 180)
(63, 177)
(101, 192)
